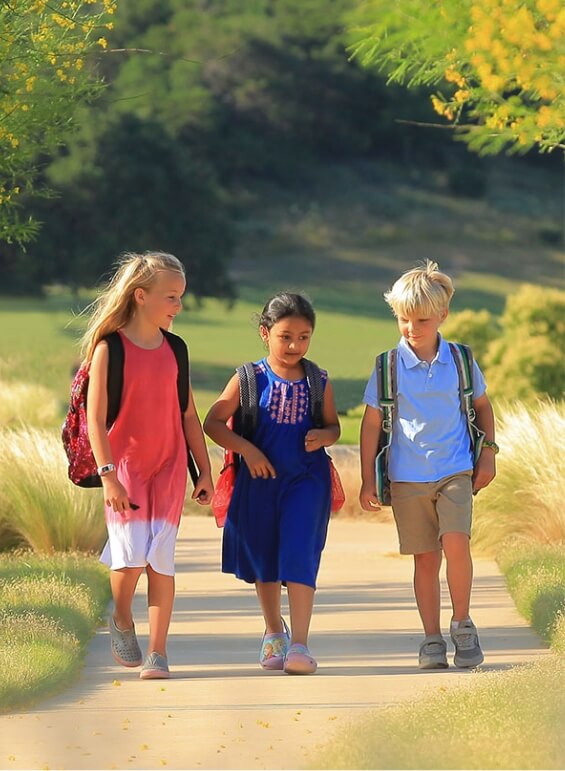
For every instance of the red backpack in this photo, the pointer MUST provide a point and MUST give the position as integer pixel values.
(82, 466)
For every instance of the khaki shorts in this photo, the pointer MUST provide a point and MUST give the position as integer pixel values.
(424, 511)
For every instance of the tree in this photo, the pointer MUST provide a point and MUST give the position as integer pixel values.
(499, 64)
(46, 69)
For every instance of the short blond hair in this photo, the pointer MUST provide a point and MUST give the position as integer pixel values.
(424, 291)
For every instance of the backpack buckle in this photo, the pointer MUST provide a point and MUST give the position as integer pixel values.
(471, 414)
(387, 425)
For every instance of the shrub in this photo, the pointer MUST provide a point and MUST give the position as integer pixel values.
(528, 360)
(474, 328)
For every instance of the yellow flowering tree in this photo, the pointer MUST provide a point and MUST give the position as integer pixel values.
(498, 65)
(46, 70)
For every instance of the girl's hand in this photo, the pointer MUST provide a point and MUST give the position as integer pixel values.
(203, 490)
(314, 439)
(258, 464)
(485, 470)
(115, 493)
(368, 498)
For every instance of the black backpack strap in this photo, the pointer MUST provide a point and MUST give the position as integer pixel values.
(316, 389)
(181, 355)
(386, 384)
(115, 378)
(245, 419)
(180, 349)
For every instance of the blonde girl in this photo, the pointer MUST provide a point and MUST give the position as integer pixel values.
(142, 458)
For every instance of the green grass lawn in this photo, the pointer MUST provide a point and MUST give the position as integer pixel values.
(343, 239)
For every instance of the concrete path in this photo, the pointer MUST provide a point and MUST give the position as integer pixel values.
(220, 710)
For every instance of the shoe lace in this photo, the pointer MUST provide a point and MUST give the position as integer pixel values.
(466, 640)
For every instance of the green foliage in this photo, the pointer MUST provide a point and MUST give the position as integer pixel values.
(474, 328)
(498, 64)
(45, 70)
(137, 189)
(528, 360)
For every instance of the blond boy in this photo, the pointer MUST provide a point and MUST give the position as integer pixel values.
(430, 463)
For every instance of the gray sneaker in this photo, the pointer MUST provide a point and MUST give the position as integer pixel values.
(468, 651)
(155, 667)
(433, 653)
(125, 648)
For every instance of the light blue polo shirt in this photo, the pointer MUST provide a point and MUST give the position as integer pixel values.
(430, 439)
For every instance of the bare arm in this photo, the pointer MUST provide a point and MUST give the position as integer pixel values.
(369, 441)
(204, 487)
(215, 426)
(485, 467)
(115, 493)
(330, 433)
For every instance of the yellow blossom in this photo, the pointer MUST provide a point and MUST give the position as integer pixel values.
(102, 42)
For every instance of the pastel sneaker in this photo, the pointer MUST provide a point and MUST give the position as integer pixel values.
(299, 661)
(124, 645)
(155, 667)
(274, 647)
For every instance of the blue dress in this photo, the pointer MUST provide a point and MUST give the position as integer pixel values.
(276, 528)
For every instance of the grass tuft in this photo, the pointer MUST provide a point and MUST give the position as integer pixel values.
(502, 721)
(38, 503)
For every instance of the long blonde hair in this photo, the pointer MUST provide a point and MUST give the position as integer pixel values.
(424, 289)
(115, 305)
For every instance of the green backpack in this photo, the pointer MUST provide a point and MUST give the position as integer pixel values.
(386, 382)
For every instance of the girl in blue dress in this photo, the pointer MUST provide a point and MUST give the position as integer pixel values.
(278, 516)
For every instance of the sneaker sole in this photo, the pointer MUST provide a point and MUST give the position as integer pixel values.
(434, 665)
(468, 664)
(128, 664)
(154, 674)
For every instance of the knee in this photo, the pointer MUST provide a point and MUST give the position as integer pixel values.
(427, 563)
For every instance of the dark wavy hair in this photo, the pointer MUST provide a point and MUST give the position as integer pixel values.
(283, 305)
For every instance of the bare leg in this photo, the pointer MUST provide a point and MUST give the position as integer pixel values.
(269, 594)
(123, 583)
(301, 601)
(160, 598)
(459, 572)
(427, 590)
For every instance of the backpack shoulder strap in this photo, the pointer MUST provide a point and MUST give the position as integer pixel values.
(248, 400)
(463, 357)
(386, 384)
(180, 350)
(115, 378)
(316, 389)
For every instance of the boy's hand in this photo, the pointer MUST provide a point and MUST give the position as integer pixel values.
(258, 464)
(368, 498)
(314, 439)
(203, 489)
(485, 470)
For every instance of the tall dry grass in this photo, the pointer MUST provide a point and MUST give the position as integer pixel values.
(525, 501)
(33, 404)
(39, 506)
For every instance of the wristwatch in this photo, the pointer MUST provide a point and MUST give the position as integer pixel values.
(493, 446)
(103, 470)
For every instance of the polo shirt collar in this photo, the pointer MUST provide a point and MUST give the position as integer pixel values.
(410, 360)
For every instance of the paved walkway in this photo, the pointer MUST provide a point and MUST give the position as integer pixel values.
(220, 710)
